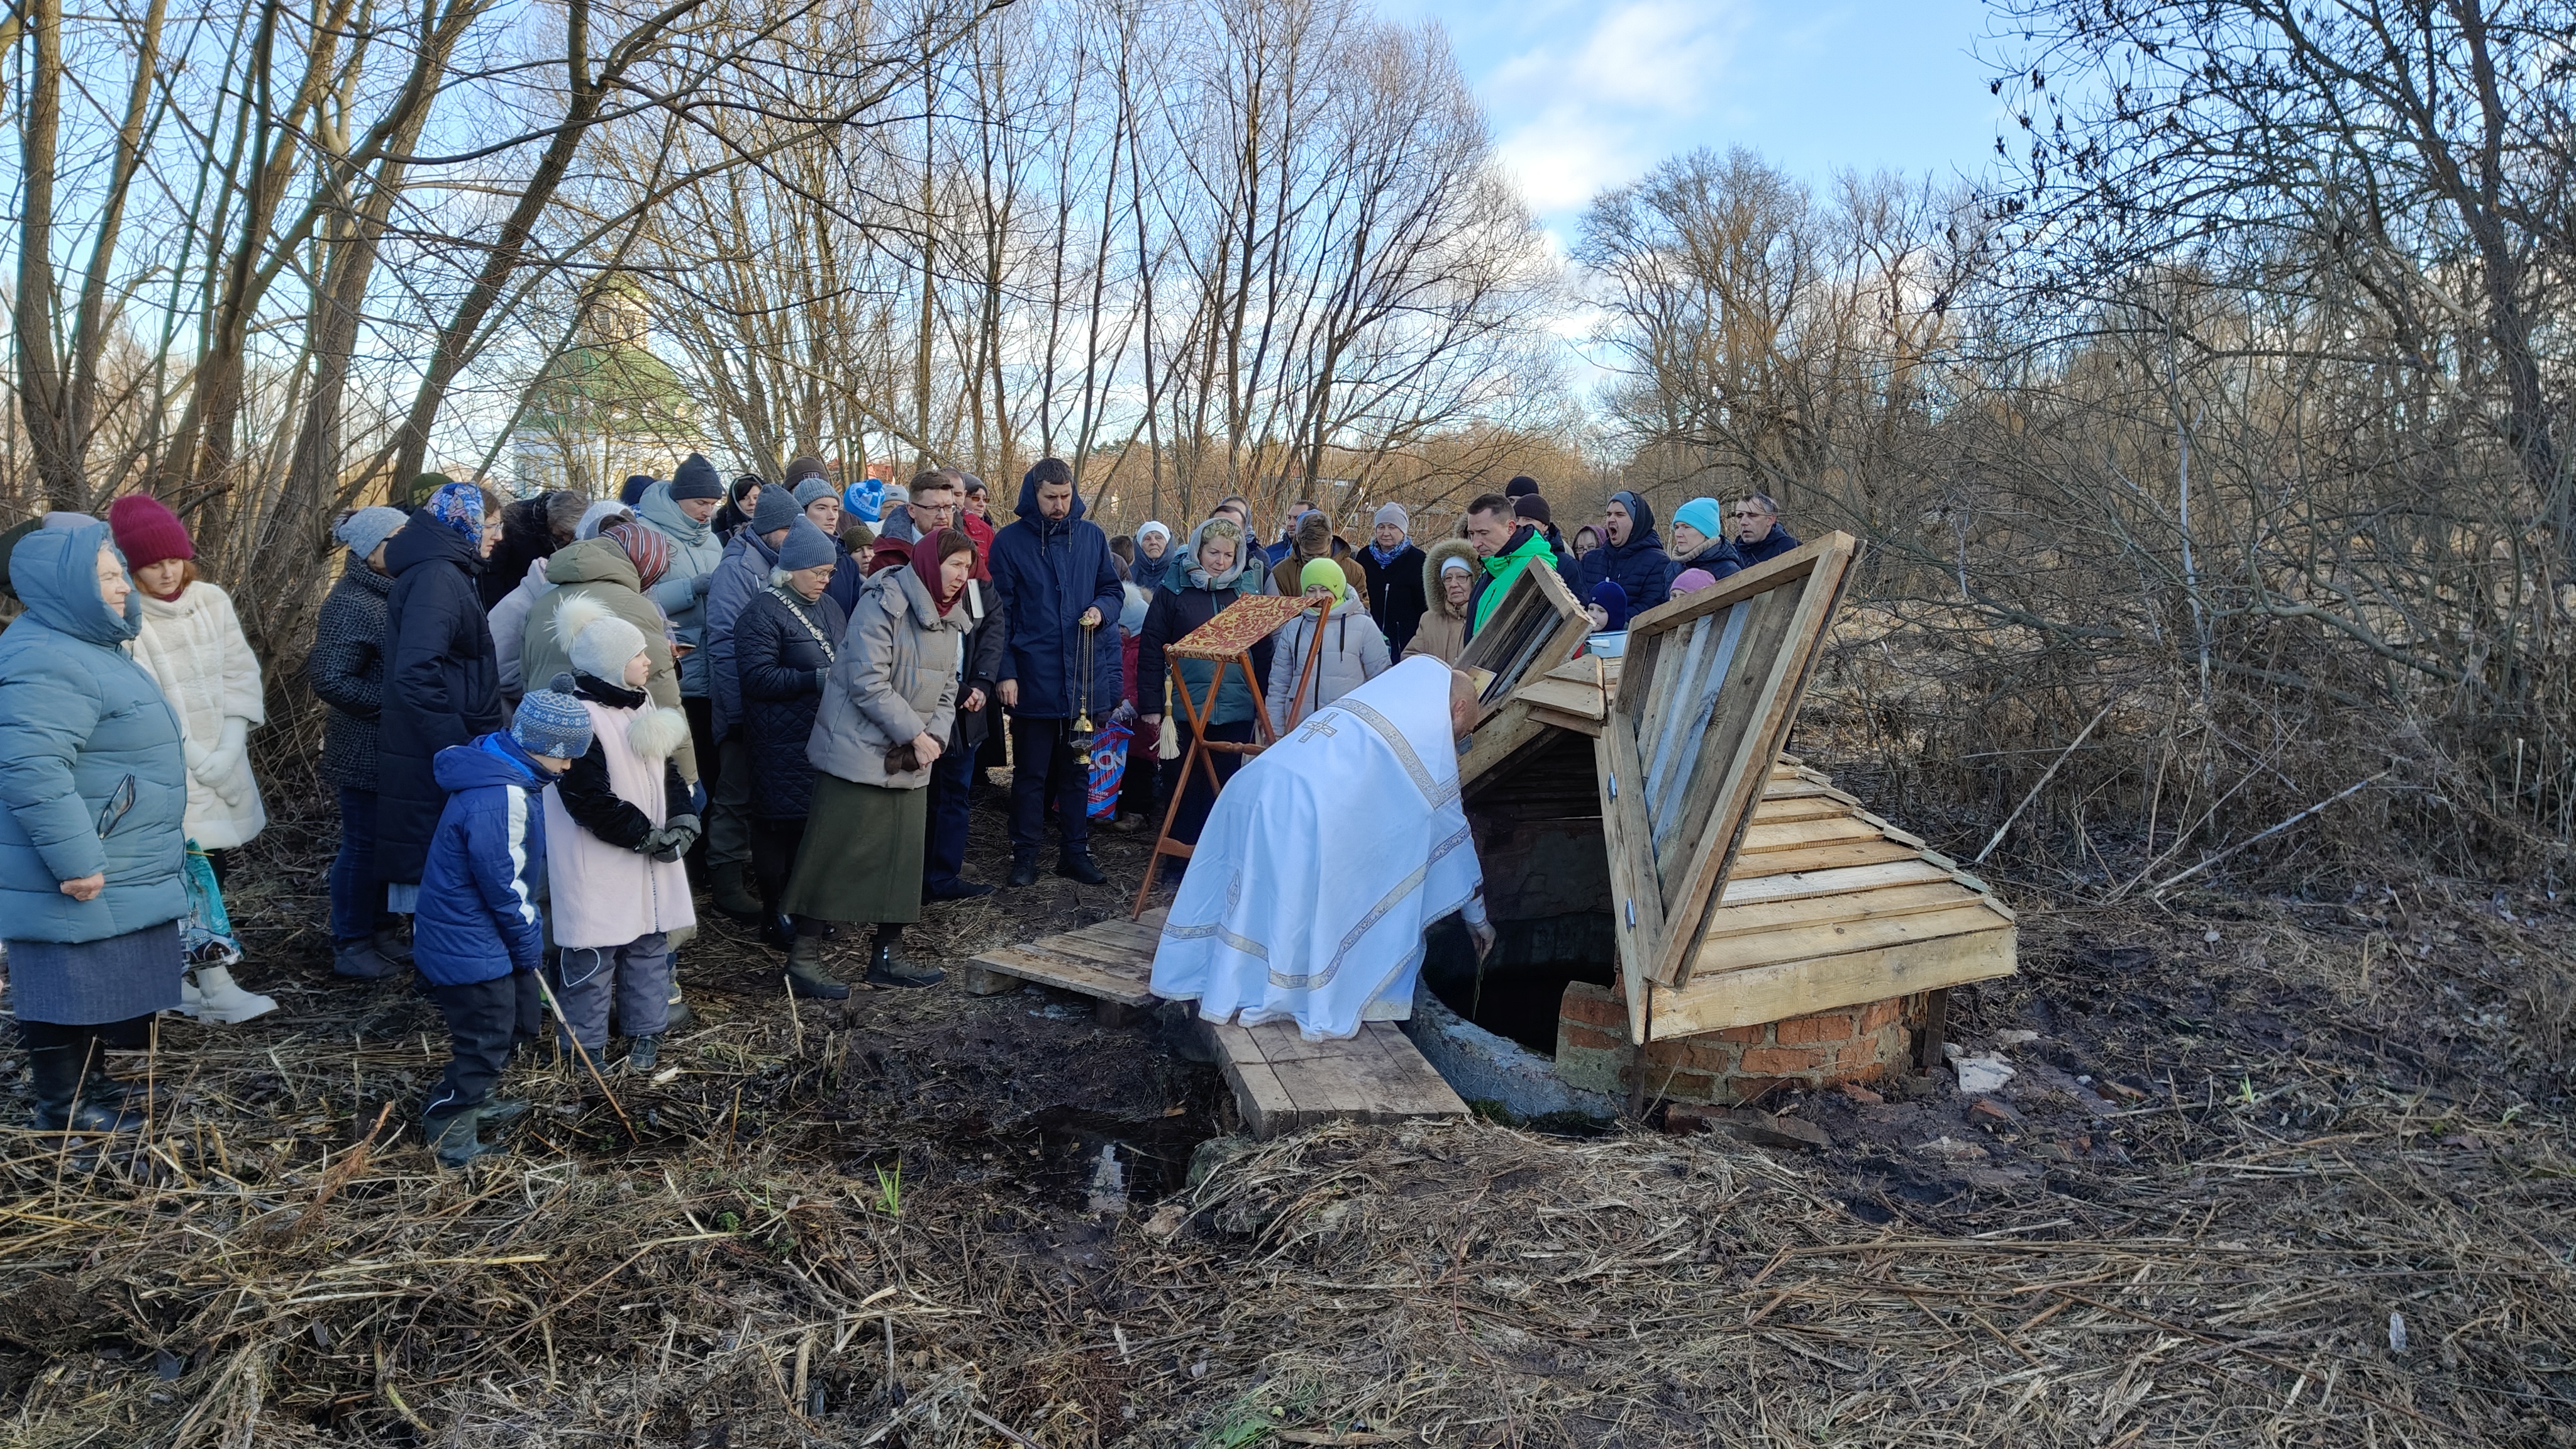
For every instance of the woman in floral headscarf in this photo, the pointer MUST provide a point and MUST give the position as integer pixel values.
(442, 678)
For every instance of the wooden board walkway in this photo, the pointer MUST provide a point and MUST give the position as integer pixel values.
(1281, 1081)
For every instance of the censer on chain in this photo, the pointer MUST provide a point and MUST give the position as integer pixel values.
(1083, 733)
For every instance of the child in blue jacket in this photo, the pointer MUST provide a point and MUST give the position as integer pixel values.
(476, 936)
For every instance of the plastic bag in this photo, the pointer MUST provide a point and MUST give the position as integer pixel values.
(206, 937)
(1108, 769)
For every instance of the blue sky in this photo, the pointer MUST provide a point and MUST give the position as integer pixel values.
(1584, 94)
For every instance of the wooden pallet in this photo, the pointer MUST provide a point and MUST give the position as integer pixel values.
(1111, 962)
(1283, 1082)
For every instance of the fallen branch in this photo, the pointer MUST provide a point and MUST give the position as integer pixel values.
(2170, 881)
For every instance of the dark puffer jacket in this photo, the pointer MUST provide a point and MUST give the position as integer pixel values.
(1638, 566)
(1775, 543)
(442, 685)
(1048, 571)
(780, 666)
(346, 671)
(1719, 558)
(1395, 597)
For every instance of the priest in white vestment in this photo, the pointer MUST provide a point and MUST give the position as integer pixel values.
(1298, 906)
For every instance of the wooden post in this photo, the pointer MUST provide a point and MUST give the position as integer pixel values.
(1936, 1025)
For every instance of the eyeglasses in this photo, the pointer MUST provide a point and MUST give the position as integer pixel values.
(934, 507)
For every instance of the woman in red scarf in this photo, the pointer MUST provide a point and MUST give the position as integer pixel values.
(888, 706)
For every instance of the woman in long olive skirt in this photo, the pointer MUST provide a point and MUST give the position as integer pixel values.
(888, 706)
(866, 843)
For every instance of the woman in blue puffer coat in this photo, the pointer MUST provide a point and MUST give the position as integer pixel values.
(93, 790)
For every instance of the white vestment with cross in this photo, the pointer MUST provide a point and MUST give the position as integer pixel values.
(1322, 862)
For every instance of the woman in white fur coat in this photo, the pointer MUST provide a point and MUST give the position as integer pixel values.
(617, 824)
(191, 642)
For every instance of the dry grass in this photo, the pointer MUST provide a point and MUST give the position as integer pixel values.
(2220, 1269)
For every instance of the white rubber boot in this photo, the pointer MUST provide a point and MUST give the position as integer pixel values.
(190, 999)
(222, 1001)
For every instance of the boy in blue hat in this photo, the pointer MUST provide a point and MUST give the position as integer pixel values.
(476, 937)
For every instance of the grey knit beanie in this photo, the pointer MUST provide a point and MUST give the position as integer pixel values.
(552, 724)
(806, 547)
(778, 509)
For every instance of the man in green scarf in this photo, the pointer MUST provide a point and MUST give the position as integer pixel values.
(1504, 546)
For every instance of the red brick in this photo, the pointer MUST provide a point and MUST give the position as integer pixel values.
(1805, 1030)
(1881, 1014)
(1783, 1061)
(1588, 1003)
(1569, 1034)
(1870, 1073)
(1684, 1086)
(1745, 1035)
(1706, 1056)
(1862, 1053)
(1863, 1095)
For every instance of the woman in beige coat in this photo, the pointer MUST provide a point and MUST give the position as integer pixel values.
(888, 705)
(1448, 581)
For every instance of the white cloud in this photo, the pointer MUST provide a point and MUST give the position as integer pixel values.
(1580, 117)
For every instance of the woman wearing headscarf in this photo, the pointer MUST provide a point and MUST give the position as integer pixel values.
(1350, 658)
(442, 677)
(1208, 578)
(888, 705)
(785, 641)
(1153, 555)
(192, 643)
(346, 671)
(1449, 581)
(93, 797)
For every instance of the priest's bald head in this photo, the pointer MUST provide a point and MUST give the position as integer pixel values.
(1463, 704)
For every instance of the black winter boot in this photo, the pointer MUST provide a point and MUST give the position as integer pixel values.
(644, 1054)
(779, 930)
(805, 974)
(63, 1103)
(360, 959)
(1024, 870)
(1075, 865)
(887, 969)
(732, 890)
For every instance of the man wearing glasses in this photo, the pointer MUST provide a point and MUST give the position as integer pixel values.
(1755, 521)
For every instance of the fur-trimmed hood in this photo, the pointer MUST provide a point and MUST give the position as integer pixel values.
(1441, 552)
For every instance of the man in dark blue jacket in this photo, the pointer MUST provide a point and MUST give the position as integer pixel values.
(1633, 558)
(1759, 537)
(1059, 588)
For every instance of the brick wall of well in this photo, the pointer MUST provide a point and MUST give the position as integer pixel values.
(1724, 1068)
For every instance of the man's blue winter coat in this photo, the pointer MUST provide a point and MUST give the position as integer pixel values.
(1048, 571)
(1638, 566)
(92, 780)
(478, 917)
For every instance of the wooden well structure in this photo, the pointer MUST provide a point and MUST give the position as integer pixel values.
(1740, 886)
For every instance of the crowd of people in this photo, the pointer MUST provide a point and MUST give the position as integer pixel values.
(552, 725)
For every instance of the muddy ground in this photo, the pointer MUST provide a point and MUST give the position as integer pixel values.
(2245, 1139)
